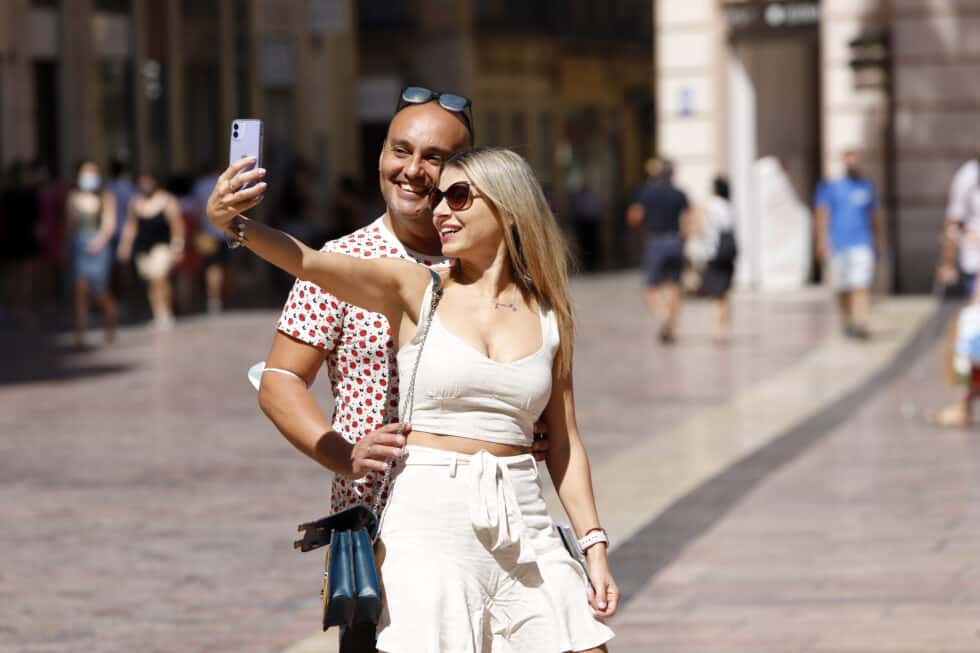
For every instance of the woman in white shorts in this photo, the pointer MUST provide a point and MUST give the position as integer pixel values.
(471, 561)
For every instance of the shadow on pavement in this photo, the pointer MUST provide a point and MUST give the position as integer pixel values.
(38, 357)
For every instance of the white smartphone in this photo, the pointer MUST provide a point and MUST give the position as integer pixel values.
(246, 140)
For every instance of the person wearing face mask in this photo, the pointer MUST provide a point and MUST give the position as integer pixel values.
(90, 214)
(847, 234)
(154, 237)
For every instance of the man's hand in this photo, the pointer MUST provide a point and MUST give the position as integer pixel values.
(541, 444)
(374, 450)
(947, 274)
(228, 199)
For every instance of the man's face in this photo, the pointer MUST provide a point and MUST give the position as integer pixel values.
(852, 163)
(420, 138)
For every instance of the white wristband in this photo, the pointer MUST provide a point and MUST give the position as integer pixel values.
(593, 538)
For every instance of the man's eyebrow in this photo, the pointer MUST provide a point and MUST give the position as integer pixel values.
(441, 151)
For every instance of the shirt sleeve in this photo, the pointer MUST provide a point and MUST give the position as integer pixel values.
(959, 193)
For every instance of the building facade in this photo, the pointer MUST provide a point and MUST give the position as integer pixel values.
(156, 83)
(805, 80)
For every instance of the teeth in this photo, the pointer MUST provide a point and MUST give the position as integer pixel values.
(449, 231)
(411, 189)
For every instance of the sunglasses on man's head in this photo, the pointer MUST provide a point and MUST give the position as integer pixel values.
(458, 196)
(450, 102)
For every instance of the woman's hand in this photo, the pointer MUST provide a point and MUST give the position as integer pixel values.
(604, 595)
(228, 199)
(123, 253)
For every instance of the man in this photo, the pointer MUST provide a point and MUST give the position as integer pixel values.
(961, 230)
(961, 233)
(356, 345)
(848, 229)
(664, 210)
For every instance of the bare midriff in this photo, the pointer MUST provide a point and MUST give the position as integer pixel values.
(463, 445)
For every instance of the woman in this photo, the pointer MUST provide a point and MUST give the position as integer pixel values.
(469, 557)
(90, 215)
(718, 232)
(154, 236)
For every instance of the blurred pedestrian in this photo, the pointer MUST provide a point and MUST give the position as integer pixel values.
(961, 229)
(961, 262)
(209, 243)
(586, 211)
(663, 209)
(721, 248)
(847, 232)
(90, 216)
(21, 246)
(154, 237)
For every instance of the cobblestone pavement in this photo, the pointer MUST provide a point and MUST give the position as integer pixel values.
(147, 505)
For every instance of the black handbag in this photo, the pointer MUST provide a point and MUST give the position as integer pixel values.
(351, 587)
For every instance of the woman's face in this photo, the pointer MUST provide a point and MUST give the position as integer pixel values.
(88, 177)
(471, 229)
(146, 184)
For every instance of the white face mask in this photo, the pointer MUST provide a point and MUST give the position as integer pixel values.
(89, 181)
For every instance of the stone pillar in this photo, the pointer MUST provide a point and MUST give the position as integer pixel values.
(936, 49)
(79, 116)
(227, 75)
(689, 78)
(16, 83)
(174, 76)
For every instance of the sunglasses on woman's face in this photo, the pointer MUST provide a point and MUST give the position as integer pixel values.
(458, 196)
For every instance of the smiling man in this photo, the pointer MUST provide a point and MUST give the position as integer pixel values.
(316, 327)
(356, 345)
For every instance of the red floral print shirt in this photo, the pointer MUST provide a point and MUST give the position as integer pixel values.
(360, 352)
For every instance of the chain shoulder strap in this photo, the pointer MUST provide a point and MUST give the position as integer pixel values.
(410, 393)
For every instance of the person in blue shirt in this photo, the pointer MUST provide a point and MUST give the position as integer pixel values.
(847, 235)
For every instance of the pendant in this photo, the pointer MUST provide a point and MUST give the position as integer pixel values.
(511, 306)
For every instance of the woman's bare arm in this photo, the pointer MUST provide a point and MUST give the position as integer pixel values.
(568, 465)
(128, 234)
(388, 286)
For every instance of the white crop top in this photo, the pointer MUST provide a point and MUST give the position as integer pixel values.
(460, 391)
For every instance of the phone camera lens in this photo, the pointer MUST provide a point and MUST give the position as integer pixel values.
(235, 126)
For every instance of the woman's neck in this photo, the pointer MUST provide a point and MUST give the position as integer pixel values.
(491, 276)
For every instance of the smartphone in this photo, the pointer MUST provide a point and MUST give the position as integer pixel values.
(246, 140)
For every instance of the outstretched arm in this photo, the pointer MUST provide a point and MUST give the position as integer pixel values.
(387, 286)
(568, 464)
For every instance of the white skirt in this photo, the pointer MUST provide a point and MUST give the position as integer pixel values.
(473, 562)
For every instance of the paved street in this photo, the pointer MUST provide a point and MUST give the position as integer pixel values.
(783, 494)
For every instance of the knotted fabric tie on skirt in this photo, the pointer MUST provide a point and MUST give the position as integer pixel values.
(494, 510)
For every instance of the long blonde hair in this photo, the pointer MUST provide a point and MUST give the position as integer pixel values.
(538, 251)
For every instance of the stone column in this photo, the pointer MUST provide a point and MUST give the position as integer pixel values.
(689, 73)
(174, 80)
(78, 117)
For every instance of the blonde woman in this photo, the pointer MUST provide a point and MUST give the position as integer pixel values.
(470, 559)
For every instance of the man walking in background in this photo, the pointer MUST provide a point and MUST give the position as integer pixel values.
(847, 232)
(663, 209)
(961, 230)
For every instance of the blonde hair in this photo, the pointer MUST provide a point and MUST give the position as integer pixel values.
(539, 253)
